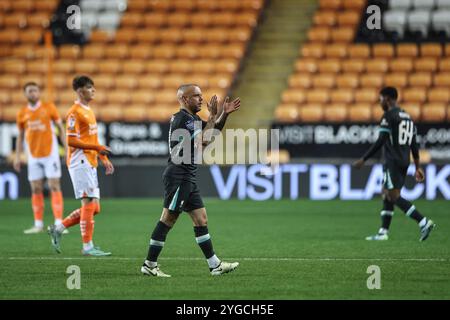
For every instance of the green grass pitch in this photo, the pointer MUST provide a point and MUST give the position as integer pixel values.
(286, 249)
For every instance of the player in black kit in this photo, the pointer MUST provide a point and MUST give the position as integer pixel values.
(398, 138)
(187, 131)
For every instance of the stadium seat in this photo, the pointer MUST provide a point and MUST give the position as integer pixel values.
(407, 50)
(69, 52)
(306, 65)
(423, 4)
(15, 20)
(125, 35)
(444, 65)
(319, 34)
(434, 113)
(14, 66)
(112, 113)
(443, 4)
(313, 50)
(442, 79)
(149, 81)
(337, 113)
(353, 5)
(302, 81)
(132, 19)
(104, 82)
(63, 66)
(361, 112)
(377, 65)
(109, 66)
(439, 95)
(329, 66)
(440, 21)
(325, 18)
(311, 113)
(100, 36)
(344, 96)
(142, 96)
(317, 96)
(291, 96)
(343, 34)
(323, 81)
(126, 82)
(347, 80)
(359, 51)
(94, 51)
(353, 65)
(348, 18)
(9, 114)
(372, 80)
(36, 67)
(335, 51)
(425, 65)
(366, 95)
(7, 82)
(287, 113)
(116, 51)
(330, 4)
(431, 50)
(418, 95)
(383, 50)
(395, 21)
(419, 21)
(422, 79)
(401, 65)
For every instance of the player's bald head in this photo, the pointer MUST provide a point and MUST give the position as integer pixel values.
(186, 90)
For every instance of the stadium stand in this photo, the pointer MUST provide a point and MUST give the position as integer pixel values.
(138, 52)
(338, 75)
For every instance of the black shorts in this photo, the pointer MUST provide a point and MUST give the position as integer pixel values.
(394, 176)
(181, 195)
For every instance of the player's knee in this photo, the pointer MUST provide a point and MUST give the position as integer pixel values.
(36, 188)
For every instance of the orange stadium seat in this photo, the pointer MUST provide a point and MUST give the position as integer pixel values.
(161, 5)
(132, 19)
(155, 19)
(329, 66)
(125, 35)
(127, 82)
(293, 96)
(194, 35)
(325, 18)
(86, 67)
(162, 114)
(138, 5)
(167, 96)
(141, 52)
(366, 95)
(311, 113)
(172, 81)
(372, 80)
(344, 96)
(14, 66)
(38, 20)
(142, 97)
(216, 35)
(15, 20)
(407, 50)
(178, 20)
(112, 113)
(336, 51)
(119, 96)
(422, 79)
(418, 95)
(201, 20)
(184, 5)
(149, 81)
(317, 96)
(69, 52)
(337, 113)
(401, 65)
(109, 66)
(22, 5)
(204, 66)
(10, 36)
(234, 51)
(324, 81)
(377, 65)
(104, 82)
(447, 49)
(343, 34)
(156, 66)
(136, 113)
(383, 50)
(353, 4)
(94, 51)
(164, 51)
(359, 51)
(361, 112)
(187, 51)
(347, 80)
(442, 79)
(10, 113)
(439, 95)
(287, 113)
(117, 51)
(8, 82)
(171, 35)
(5, 98)
(133, 67)
(434, 113)
(348, 18)
(180, 66)
(45, 6)
(147, 36)
(425, 64)
(18, 98)
(36, 67)
(413, 110)
(224, 19)
(319, 34)
(313, 50)
(431, 50)
(31, 36)
(399, 80)
(239, 34)
(300, 81)
(99, 36)
(444, 65)
(306, 65)
(25, 51)
(354, 65)
(63, 66)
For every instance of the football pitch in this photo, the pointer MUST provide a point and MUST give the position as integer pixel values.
(286, 249)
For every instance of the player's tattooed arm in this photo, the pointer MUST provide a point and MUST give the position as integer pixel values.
(382, 138)
(419, 174)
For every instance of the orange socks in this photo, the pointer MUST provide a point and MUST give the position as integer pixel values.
(57, 205)
(72, 219)
(87, 221)
(37, 203)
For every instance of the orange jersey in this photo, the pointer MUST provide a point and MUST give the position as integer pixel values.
(81, 123)
(37, 123)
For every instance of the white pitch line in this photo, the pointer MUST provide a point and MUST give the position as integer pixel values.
(238, 259)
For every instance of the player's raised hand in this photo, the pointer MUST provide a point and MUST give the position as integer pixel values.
(16, 164)
(232, 106)
(109, 167)
(212, 105)
(420, 175)
(358, 163)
